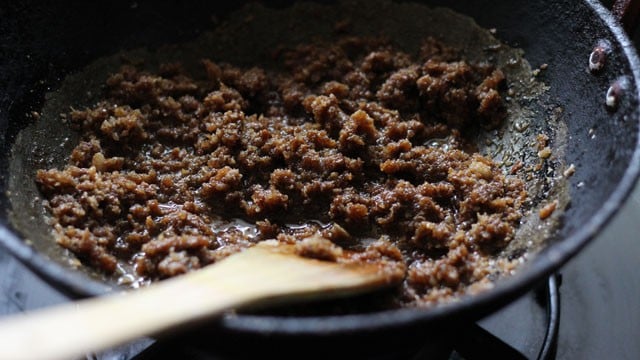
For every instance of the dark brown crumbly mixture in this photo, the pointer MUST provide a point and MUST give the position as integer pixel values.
(355, 141)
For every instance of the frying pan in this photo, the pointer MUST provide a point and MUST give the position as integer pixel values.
(42, 42)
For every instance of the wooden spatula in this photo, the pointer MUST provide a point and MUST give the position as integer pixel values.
(264, 274)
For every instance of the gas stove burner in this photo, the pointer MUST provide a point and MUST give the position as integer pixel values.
(538, 313)
(478, 342)
(550, 343)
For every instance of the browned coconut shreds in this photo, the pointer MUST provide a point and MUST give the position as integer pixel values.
(355, 141)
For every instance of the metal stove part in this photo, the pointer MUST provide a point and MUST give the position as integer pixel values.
(534, 318)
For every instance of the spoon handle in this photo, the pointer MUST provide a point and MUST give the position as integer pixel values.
(257, 276)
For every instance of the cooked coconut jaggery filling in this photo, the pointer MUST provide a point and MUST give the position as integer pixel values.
(350, 145)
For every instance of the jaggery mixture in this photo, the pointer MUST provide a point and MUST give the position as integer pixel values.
(352, 145)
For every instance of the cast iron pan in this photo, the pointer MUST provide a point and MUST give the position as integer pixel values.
(43, 42)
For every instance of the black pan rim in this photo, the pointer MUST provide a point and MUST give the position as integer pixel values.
(545, 263)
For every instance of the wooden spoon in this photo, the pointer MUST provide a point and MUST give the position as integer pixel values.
(264, 274)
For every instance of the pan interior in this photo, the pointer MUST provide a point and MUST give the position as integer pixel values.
(47, 142)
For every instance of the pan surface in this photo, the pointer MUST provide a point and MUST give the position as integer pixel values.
(602, 144)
